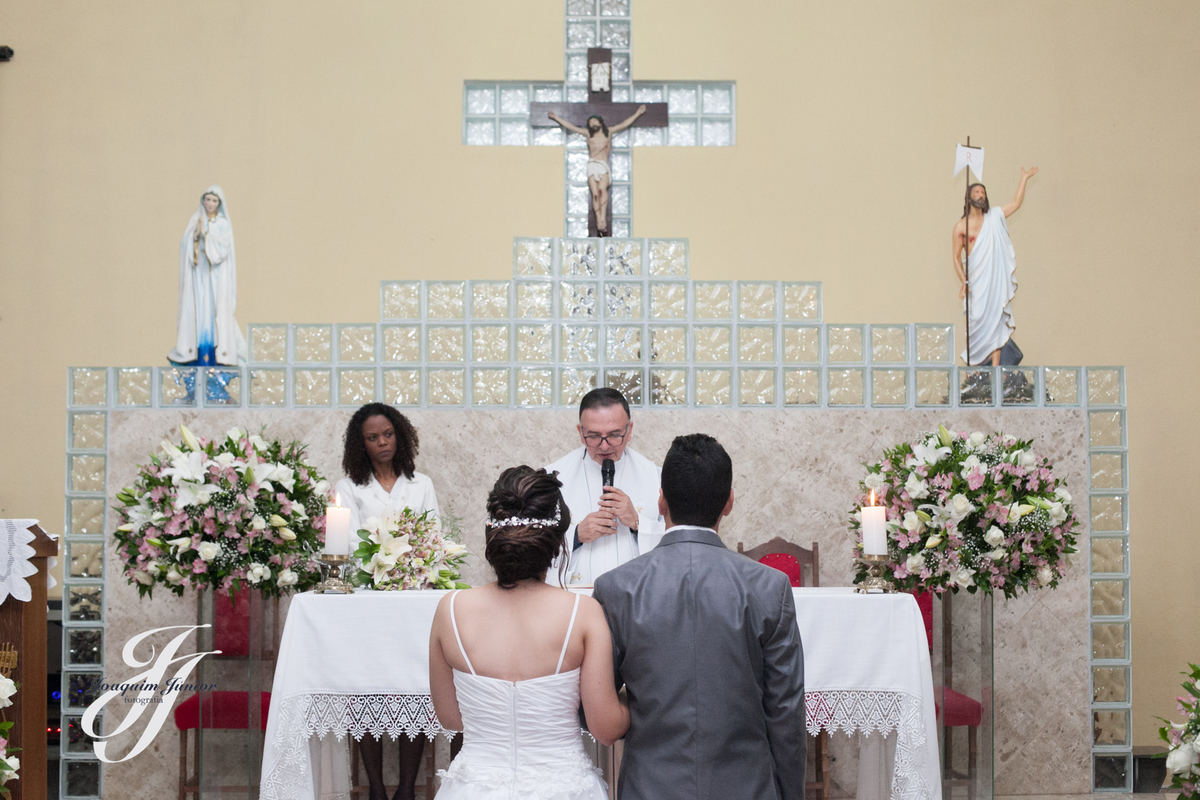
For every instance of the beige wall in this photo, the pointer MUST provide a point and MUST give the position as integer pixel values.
(335, 130)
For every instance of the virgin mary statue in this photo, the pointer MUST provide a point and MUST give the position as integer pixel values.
(208, 332)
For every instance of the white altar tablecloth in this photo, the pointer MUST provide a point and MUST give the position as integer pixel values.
(358, 664)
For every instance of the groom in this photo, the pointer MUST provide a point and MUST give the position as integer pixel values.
(705, 641)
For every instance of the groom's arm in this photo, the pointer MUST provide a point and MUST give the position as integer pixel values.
(603, 594)
(783, 697)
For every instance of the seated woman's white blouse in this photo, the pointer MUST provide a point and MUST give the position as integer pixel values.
(371, 500)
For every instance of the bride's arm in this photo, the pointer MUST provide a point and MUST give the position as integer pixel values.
(441, 677)
(607, 717)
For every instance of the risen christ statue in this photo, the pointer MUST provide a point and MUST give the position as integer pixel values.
(599, 142)
(983, 234)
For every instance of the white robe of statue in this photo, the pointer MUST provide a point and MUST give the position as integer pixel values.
(208, 291)
(636, 476)
(990, 270)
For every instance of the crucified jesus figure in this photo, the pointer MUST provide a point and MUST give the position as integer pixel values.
(599, 141)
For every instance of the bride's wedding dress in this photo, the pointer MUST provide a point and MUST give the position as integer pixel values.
(521, 739)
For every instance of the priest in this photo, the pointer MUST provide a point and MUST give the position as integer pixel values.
(614, 515)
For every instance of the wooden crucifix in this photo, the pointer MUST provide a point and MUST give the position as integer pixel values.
(592, 120)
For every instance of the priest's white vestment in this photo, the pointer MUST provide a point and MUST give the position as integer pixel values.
(990, 269)
(636, 476)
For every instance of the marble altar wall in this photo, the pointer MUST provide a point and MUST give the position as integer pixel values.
(794, 471)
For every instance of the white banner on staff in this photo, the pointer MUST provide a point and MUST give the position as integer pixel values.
(971, 157)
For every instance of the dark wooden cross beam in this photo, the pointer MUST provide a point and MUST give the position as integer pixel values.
(599, 104)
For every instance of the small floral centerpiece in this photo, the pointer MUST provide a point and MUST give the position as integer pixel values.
(9, 764)
(405, 550)
(1183, 741)
(223, 514)
(970, 511)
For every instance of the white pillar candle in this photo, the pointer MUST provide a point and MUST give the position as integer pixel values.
(874, 529)
(337, 530)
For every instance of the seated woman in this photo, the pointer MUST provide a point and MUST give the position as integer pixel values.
(379, 461)
(509, 662)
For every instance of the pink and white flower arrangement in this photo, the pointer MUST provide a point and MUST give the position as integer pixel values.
(223, 514)
(1183, 740)
(404, 550)
(9, 763)
(973, 511)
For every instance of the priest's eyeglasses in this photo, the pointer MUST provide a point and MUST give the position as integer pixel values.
(595, 439)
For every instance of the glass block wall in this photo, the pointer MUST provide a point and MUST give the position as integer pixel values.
(580, 313)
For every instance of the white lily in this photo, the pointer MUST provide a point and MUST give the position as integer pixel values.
(187, 467)
(933, 541)
(171, 450)
(191, 494)
(287, 534)
(234, 433)
(174, 576)
(928, 453)
(189, 438)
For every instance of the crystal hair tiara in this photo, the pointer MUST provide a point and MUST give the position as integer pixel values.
(517, 522)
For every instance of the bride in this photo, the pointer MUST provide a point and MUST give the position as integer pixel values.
(509, 662)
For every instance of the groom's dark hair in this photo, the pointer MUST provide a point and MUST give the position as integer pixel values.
(697, 476)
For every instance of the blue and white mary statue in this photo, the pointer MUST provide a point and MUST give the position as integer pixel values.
(208, 332)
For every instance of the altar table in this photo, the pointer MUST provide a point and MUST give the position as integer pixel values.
(358, 664)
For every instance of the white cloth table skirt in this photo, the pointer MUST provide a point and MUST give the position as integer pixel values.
(359, 664)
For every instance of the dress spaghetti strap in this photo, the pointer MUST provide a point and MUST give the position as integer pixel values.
(566, 641)
(461, 649)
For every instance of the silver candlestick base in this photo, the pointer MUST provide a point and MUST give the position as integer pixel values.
(333, 581)
(874, 582)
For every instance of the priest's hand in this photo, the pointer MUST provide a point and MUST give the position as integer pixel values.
(596, 524)
(619, 504)
(962, 292)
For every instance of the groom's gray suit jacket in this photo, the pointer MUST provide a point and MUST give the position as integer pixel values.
(705, 641)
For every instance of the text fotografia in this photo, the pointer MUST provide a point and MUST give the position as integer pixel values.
(151, 689)
(147, 692)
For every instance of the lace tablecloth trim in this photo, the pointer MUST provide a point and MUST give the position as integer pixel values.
(882, 711)
(566, 780)
(303, 716)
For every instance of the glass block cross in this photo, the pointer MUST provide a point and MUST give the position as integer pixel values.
(513, 113)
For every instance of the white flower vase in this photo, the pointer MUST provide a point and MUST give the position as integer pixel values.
(227, 750)
(962, 659)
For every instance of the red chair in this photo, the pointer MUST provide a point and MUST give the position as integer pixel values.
(216, 711)
(960, 711)
(223, 710)
(791, 559)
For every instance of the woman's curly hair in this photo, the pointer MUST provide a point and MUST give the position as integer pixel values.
(356, 463)
(520, 552)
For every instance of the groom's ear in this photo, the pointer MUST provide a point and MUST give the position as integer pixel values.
(728, 504)
(663, 511)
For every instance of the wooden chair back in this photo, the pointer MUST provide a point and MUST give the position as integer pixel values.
(788, 558)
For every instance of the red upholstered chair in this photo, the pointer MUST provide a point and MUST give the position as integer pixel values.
(960, 711)
(791, 559)
(216, 711)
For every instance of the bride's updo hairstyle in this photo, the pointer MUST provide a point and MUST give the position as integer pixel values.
(526, 522)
